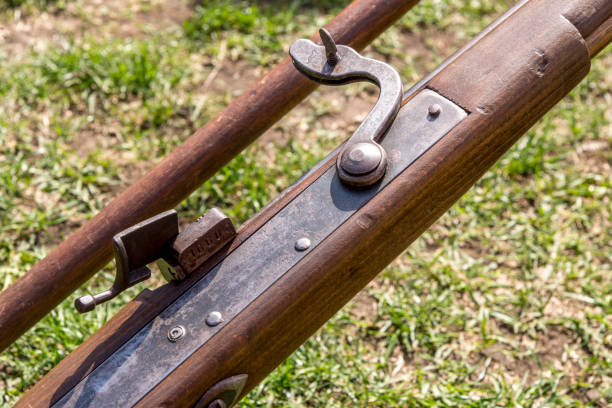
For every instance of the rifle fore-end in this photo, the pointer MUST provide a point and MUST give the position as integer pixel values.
(498, 87)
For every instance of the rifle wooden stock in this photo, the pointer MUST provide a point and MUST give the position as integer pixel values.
(532, 57)
(89, 248)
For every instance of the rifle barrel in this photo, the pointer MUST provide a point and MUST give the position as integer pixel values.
(88, 249)
(504, 82)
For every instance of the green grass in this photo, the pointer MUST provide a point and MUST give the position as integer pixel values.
(505, 301)
(30, 5)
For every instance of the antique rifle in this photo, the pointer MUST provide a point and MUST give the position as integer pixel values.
(239, 309)
(89, 249)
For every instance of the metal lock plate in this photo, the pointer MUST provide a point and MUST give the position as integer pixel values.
(256, 264)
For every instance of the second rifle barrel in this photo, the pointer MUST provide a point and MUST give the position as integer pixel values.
(88, 249)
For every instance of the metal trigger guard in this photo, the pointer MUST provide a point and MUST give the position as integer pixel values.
(362, 161)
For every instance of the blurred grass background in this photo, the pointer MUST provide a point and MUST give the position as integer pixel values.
(505, 301)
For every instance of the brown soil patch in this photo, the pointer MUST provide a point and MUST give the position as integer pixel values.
(556, 349)
(96, 18)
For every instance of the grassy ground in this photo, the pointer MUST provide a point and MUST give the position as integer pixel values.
(505, 301)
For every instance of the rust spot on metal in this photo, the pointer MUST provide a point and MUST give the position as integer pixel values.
(202, 239)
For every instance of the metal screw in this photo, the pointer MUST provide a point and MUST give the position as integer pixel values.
(176, 333)
(218, 403)
(302, 244)
(434, 109)
(361, 158)
(331, 51)
(214, 318)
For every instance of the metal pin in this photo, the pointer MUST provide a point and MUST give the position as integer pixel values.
(214, 318)
(434, 109)
(331, 51)
(302, 244)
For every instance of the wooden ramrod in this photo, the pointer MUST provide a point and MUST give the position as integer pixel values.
(293, 265)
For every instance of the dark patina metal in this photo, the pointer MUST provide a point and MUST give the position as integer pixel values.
(198, 242)
(256, 264)
(134, 248)
(157, 238)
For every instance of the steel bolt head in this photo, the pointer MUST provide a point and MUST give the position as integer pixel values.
(175, 333)
(214, 318)
(434, 109)
(361, 158)
(302, 244)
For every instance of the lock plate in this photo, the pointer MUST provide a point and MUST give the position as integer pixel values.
(256, 264)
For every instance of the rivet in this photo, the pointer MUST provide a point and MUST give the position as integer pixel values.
(175, 333)
(361, 158)
(214, 318)
(302, 244)
(434, 109)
